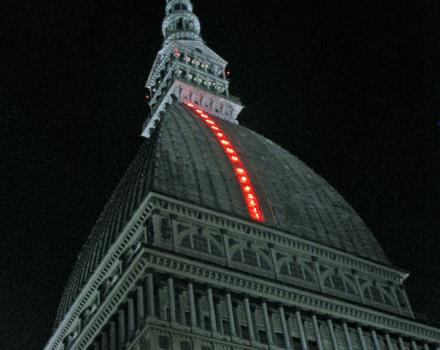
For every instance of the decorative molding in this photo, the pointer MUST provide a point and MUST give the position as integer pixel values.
(283, 240)
(104, 270)
(260, 288)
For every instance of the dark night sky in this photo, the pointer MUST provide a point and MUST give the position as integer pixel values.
(351, 87)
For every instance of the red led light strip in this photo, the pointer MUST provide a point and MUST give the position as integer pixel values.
(240, 171)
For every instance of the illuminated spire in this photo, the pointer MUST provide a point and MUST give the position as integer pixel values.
(186, 70)
(180, 22)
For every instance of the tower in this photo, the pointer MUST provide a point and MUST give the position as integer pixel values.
(216, 238)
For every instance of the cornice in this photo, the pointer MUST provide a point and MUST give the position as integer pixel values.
(244, 284)
(280, 238)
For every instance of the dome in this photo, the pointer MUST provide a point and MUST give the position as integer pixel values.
(183, 160)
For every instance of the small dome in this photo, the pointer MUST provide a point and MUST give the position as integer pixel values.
(184, 161)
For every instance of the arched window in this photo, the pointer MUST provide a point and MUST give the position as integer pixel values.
(297, 269)
(202, 242)
(251, 257)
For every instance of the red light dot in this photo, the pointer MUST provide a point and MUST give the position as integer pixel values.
(230, 150)
(250, 196)
(220, 134)
(235, 159)
(243, 179)
(240, 171)
(215, 128)
(252, 203)
(204, 116)
(247, 188)
(209, 121)
(226, 143)
(199, 111)
(190, 104)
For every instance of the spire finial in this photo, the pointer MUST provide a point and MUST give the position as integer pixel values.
(180, 22)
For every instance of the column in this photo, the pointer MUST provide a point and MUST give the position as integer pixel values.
(414, 345)
(318, 333)
(192, 305)
(104, 341)
(285, 328)
(347, 336)
(301, 331)
(388, 341)
(359, 288)
(112, 336)
(331, 329)
(247, 307)
(396, 299)
(426, 347)
(218, 313)
(140, 305)
(361, 337)
(274, 260)
(131, 324)
(401, 343)
(150, 292)
(318, 274)
(376, 341)
(231, 314)
(172, 300)
(121, 328)
(212, 310)
(267, 323)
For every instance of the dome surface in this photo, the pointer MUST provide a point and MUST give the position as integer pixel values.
(183, 160)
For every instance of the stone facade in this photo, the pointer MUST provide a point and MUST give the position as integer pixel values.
(175, 263)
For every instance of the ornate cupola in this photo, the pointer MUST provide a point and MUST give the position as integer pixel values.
(187, 70)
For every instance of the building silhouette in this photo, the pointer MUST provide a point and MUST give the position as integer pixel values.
(217, 238)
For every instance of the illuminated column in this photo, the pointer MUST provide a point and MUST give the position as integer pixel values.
(414, 345)
(140, 305)
(376, 341)
(361, 337)
(401, 343)
(247, 307)
(150, 291)
(388, 341)
(331, 329)
(231, 314)
(192, 305)
(267, 323)
(121, 328)
(130, 311)
(285, 328)
(212, 310)
(172, 300)
(301, 331)
(112, 336)
(317, 332)
(347, 336)
(359, 288)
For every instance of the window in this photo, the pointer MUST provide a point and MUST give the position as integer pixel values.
(279, 339)
(202, 243)
(250, 257)
(187, 318)
(164, 342)
(226, 327)
(185, 345)
(263, 336)
(244, 331)
(207, 323)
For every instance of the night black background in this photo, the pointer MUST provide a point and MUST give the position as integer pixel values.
(351, 87)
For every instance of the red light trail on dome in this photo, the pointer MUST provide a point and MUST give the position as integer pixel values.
(242, 175)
